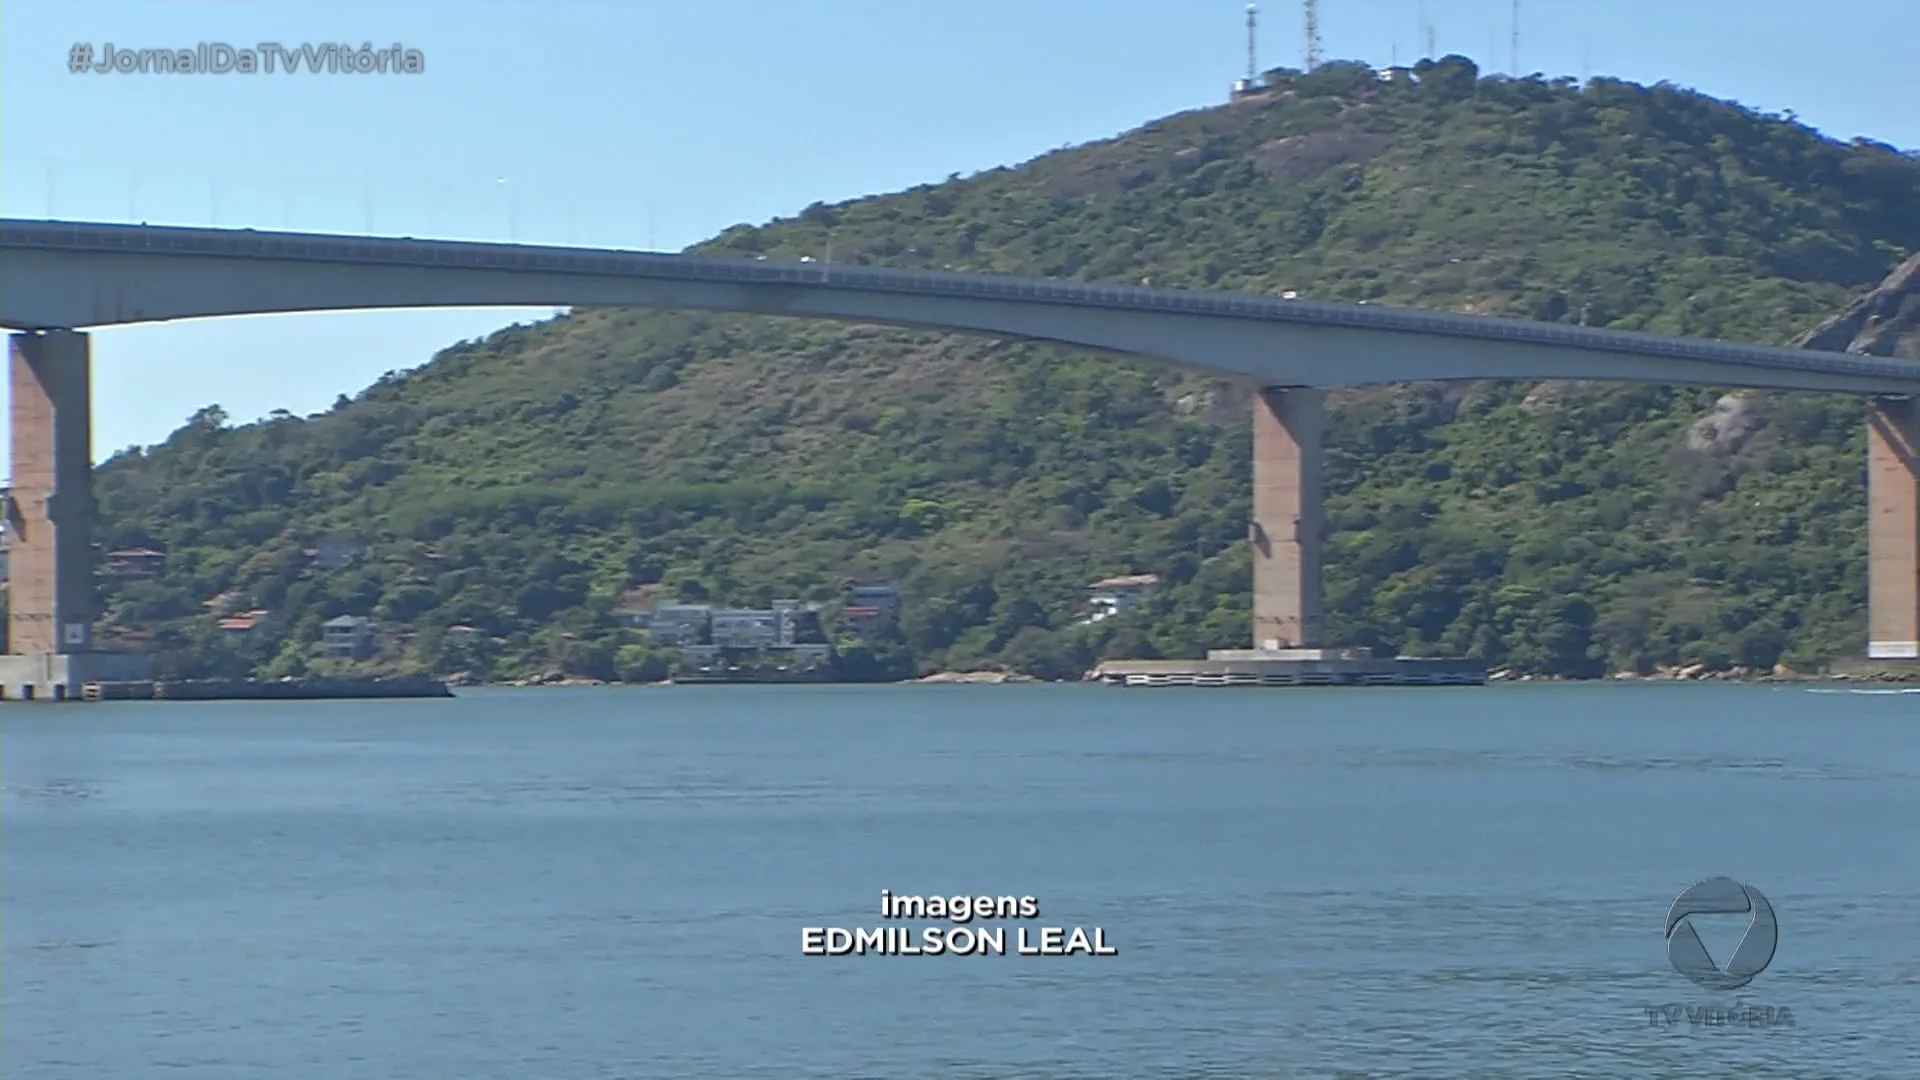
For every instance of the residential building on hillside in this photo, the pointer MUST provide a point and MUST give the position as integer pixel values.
(868, 607)
(221, 605)
(878, 596)
(1111, 596)
(245, 624)
(135, 564)
(701, 657)
(801, 626)
(746, 628)
(349, 637)
(682, 624)
(785, 636)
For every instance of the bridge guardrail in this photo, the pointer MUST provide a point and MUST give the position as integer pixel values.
(224, 243)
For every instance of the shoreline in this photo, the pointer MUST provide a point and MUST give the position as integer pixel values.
(1002, 678)
(938, 677)
(1732, 676)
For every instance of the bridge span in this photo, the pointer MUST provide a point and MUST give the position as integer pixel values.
(73, 275)
(60, 278)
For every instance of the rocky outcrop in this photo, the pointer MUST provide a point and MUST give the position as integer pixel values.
(1549, 394)
(1299, 158)
(1885, 322)
(1735, 417)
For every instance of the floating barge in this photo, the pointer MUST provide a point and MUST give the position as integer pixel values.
(1293, 667)
(399, 686)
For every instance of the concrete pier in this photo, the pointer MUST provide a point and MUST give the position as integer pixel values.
(64, 676)
(1288, 533)
(1288, 536)
(1893, 528)
(50, 509)
(1293, 667)
(49, 514)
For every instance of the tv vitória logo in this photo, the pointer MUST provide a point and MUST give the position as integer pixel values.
(1721, 896)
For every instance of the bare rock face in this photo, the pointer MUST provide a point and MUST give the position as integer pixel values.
(1431, 403)
(1299, 158)
(1223, 402)
(1549, 394)
(1885, 322)
(1724, 430)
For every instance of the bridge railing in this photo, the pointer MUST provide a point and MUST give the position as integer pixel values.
(227, 243)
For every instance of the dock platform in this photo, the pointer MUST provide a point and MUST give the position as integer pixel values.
(265, 689)
(1293, 667)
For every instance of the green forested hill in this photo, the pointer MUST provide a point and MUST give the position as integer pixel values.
(521, 484)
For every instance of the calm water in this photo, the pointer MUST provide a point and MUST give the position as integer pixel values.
(612, 883)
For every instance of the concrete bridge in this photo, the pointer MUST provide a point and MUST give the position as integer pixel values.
(59, 278)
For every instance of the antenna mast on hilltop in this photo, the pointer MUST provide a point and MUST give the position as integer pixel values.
(1251, 84)
(1313, 34)
(1253, 69)
(1513, 59)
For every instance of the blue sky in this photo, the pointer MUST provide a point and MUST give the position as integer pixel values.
(656, 123)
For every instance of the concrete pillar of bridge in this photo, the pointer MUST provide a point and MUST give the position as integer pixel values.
(1289, 518)
(50, 505)
(1893, 528)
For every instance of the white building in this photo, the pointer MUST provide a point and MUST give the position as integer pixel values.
(1111, 596)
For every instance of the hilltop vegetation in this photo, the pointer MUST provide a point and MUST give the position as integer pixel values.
(523, 483)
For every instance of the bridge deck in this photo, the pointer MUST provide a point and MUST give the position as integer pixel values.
(99, 238)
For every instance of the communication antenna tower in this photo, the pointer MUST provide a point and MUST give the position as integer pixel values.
(1513, 59)
(1313, 34)
(1253, 69)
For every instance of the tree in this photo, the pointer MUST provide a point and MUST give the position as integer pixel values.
(643, 663)
(872, 661)
(1451, 78)
(1045, 655)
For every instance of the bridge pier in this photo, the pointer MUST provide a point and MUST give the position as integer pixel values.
(1893, 528)
(50, 509)
(1288, 533)
(49, 518)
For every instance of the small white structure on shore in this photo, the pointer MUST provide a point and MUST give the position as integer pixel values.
(1111, 596)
